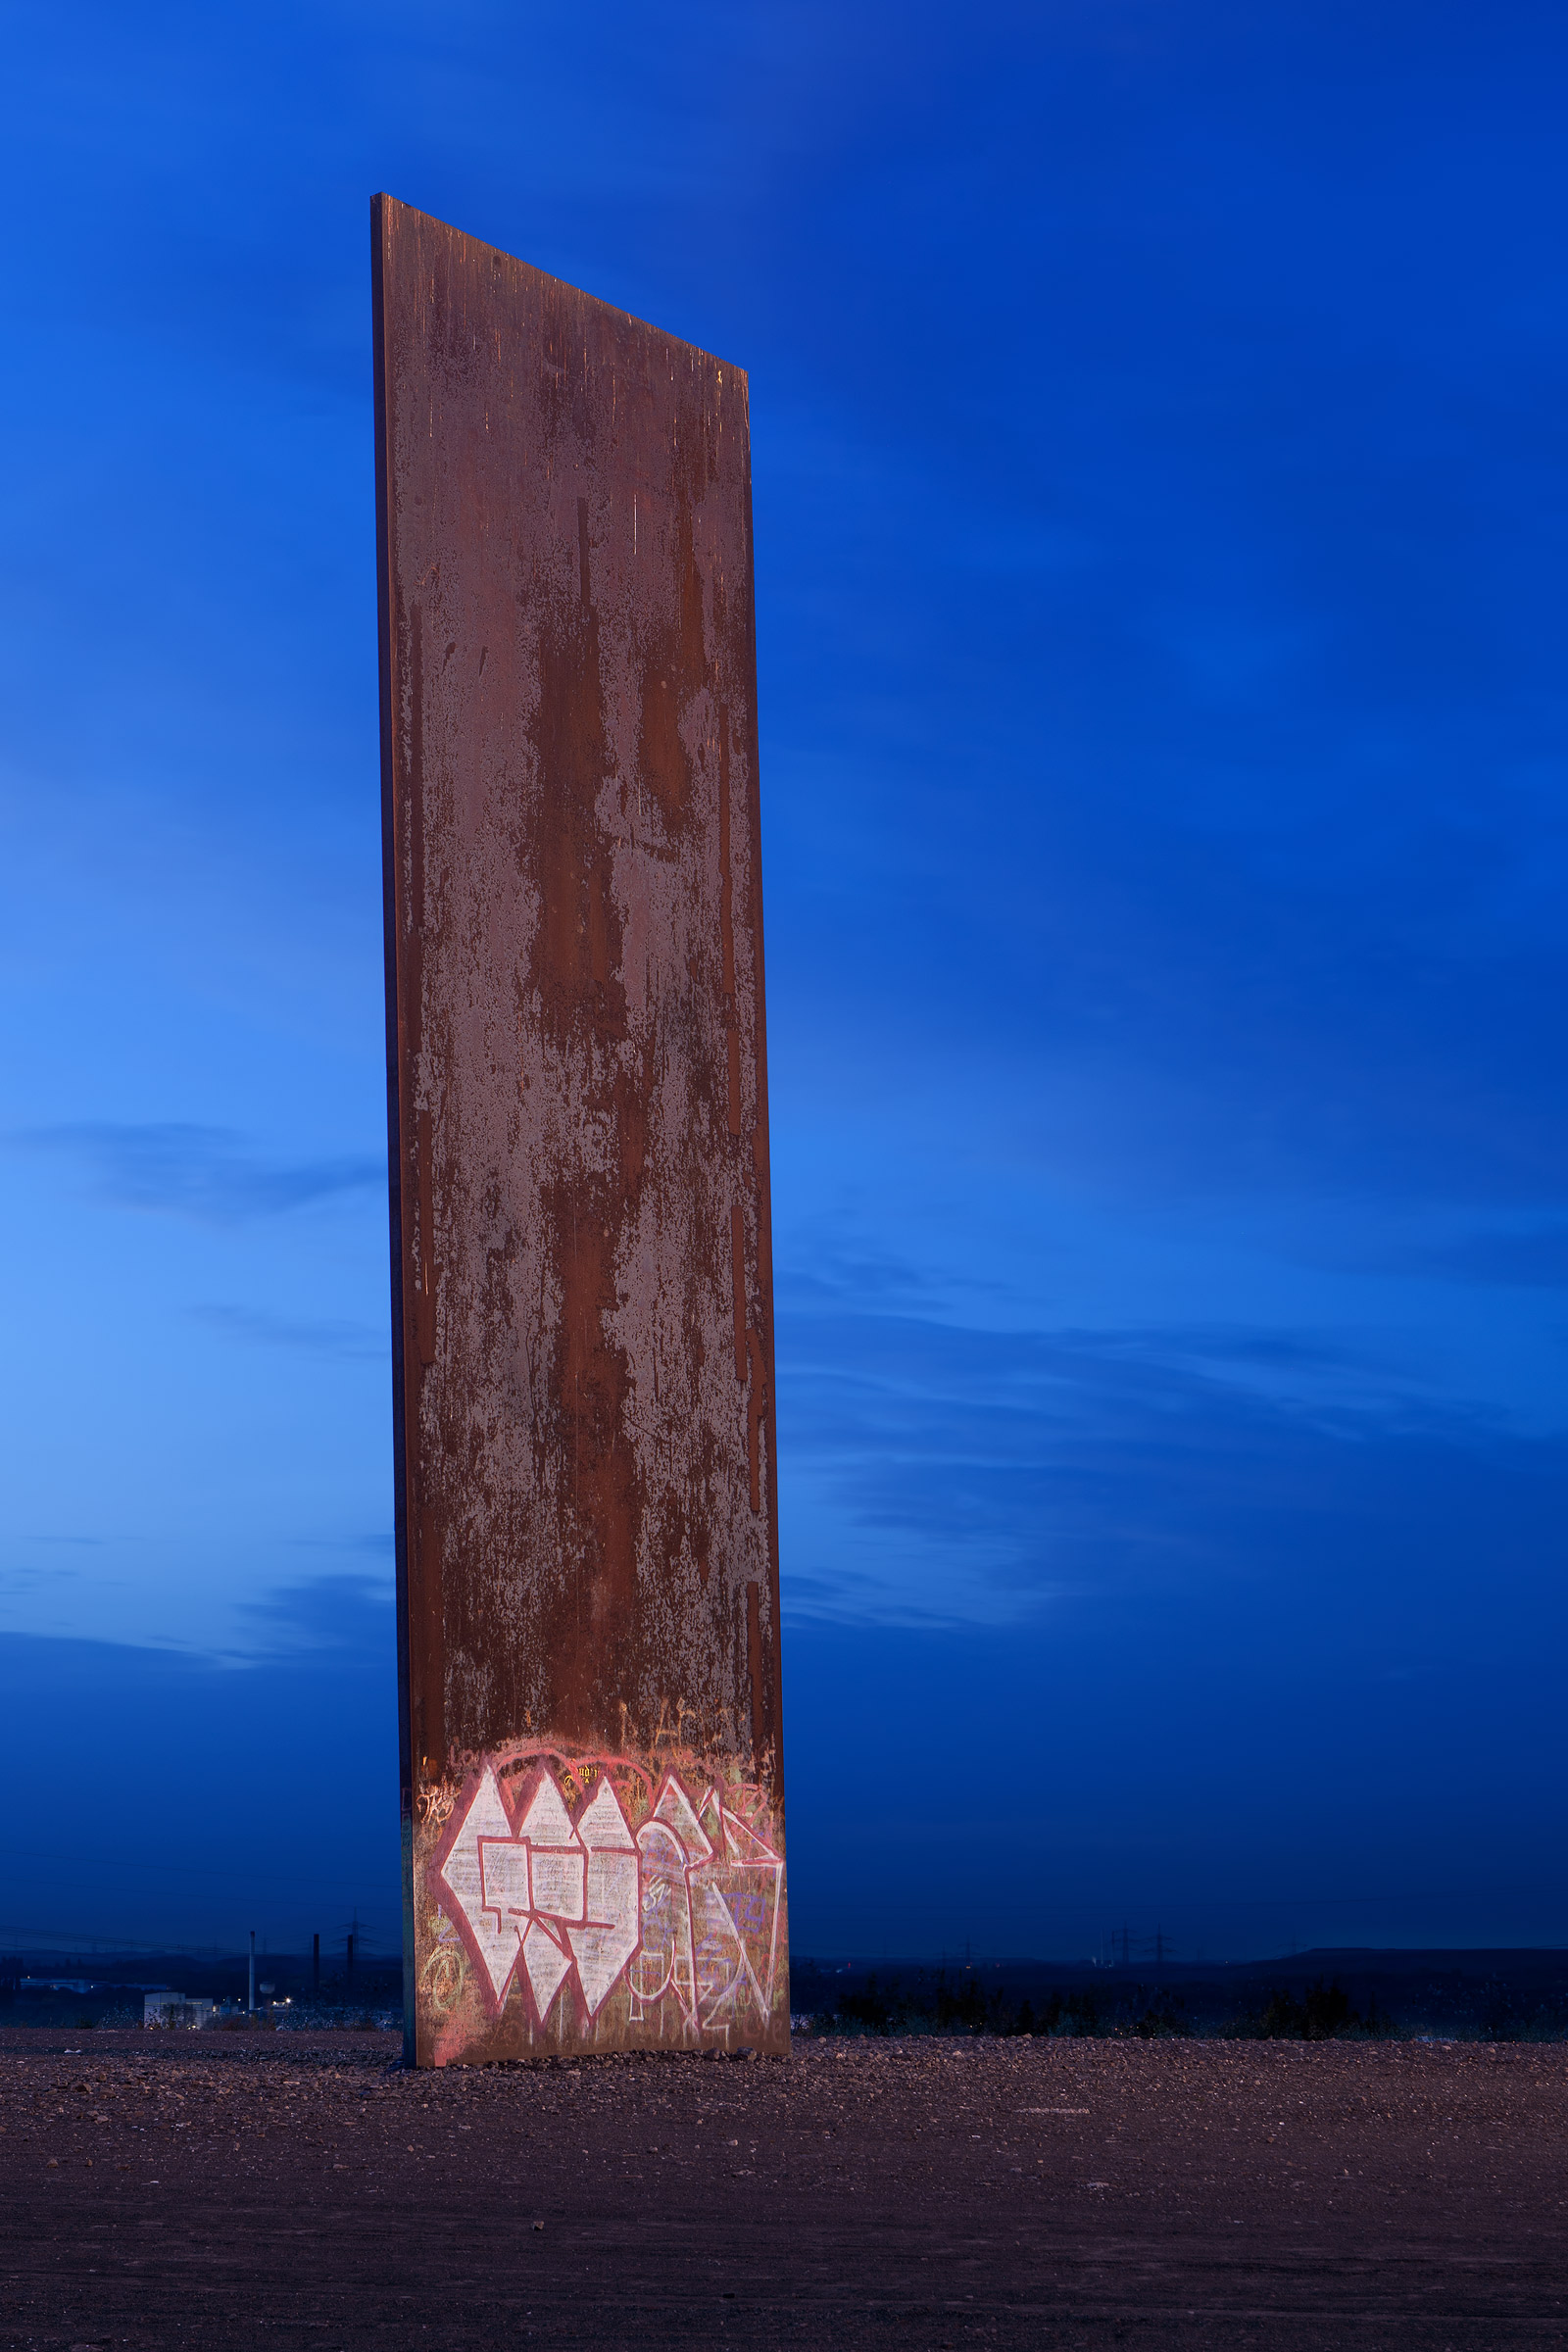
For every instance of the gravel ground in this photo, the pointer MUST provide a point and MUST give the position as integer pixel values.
(301, 2190)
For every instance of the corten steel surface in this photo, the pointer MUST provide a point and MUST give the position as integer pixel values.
(581, 1270)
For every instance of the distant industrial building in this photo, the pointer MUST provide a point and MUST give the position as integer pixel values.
(174, 2009)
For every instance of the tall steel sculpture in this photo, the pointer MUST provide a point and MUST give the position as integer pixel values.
(581, 1270)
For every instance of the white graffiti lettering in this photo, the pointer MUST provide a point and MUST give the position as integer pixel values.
(685, 1911)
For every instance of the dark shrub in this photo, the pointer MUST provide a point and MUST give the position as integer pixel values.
(1320, 2013)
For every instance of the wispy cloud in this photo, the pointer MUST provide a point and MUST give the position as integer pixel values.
(822, 1270)
(374, 1539)
(940, 1472)
(349, 1616)
(208, 1174)
(353, 1343)
(1525, 1258)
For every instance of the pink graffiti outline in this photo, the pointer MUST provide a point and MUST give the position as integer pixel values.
(516, 1779)
(514, 1802)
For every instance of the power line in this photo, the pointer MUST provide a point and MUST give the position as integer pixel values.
(78, 1938)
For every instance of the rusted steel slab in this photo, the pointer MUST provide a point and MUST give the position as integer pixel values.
(581, 1263)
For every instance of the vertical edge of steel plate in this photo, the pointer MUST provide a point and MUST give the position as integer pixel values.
(591, 1738)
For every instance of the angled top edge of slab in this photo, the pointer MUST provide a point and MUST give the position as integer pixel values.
(390, 217)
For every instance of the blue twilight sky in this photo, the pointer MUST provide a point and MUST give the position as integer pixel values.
(1159, 414)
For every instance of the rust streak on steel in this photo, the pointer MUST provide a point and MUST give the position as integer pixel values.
(582, 1260)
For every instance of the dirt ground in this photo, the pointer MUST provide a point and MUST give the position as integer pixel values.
(287, 2190)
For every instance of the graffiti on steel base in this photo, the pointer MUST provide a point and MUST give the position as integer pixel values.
(683, 1908)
